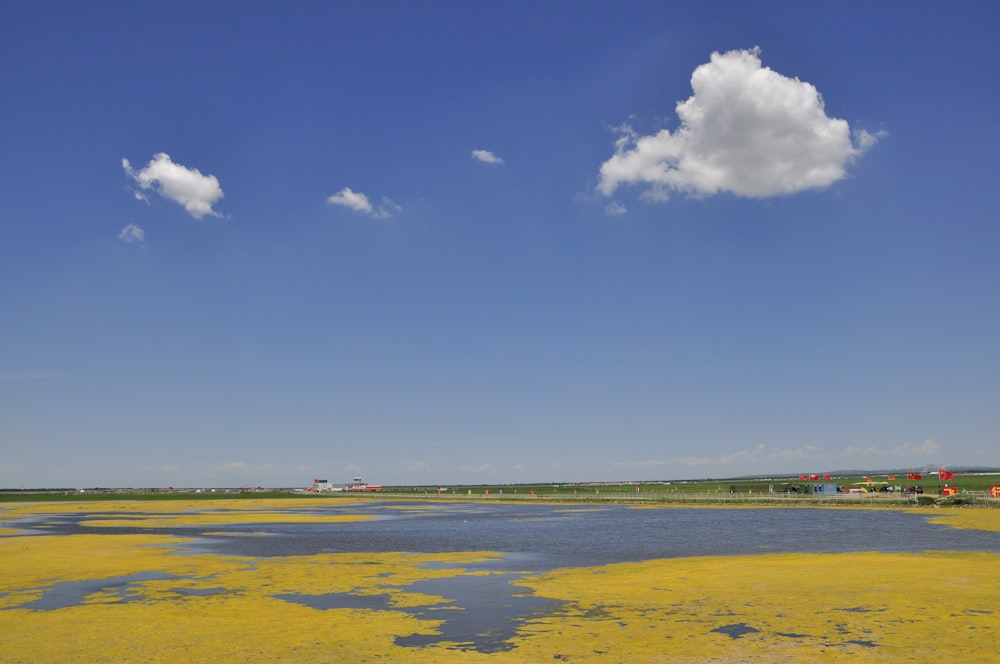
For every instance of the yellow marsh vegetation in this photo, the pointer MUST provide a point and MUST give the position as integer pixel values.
(803, 607)
(767, 608)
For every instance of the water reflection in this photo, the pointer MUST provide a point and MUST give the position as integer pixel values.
(552, 537)
(74, 593)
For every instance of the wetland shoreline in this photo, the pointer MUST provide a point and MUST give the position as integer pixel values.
(369, 578)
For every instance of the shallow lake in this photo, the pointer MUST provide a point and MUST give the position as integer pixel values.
(542, 537)
(532, 538)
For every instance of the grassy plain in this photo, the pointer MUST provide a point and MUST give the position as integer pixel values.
(218, 608)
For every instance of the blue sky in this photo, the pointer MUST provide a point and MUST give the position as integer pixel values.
(446, 242)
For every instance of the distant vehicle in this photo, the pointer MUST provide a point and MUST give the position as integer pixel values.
(359, 484)
(365, 487)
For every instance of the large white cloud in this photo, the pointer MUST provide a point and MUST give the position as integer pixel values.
(746, 130)
(187, 186)
(359, 202)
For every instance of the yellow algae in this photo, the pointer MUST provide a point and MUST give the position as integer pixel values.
(18, 510)
(206, 629)
(222, 608)
(215, 608)
(41, 560)
(788, 607)
(968, 518)
(151, 514)
(217, 518)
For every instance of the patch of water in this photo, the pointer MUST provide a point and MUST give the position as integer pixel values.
(72, 593)
(481, 612)
(736, 630)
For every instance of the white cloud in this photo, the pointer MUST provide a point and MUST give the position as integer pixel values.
(359, 202)
(486, 156)
(351, 199)
(132, 234)
(615, 209)
(388, 208)
(186, 186)
(747, 130)
(928, 447)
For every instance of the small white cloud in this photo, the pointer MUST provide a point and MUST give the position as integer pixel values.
(186, 186)
(351, 199)
(359, 202)
(486, 157)
(388, 208)
(615, 209)
(928, 447)
(132, 234)
(747, 130)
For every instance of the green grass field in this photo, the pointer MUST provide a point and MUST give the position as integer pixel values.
(971, 488)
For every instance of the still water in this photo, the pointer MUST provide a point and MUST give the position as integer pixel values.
(542, 537)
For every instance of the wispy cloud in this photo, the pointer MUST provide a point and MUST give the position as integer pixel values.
(132, 234)
(615, 209)
(902, 455)
(186, 186)
(486, 157)
(164, 468)
(747, 130)
(640, 464)
(928, 448)
(359, 202)
(481, 468)
(760, 453)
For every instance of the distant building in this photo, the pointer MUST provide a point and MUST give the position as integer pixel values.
(321, 486)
